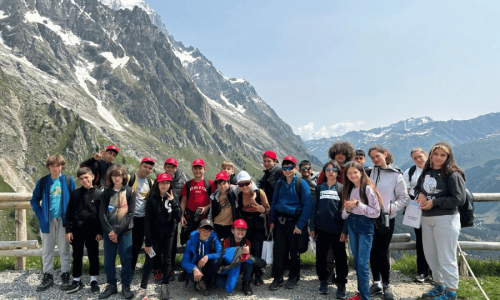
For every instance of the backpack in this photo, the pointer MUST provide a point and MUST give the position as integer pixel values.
(411, 172)
(66, 177)
(379, 223)
(467, 210)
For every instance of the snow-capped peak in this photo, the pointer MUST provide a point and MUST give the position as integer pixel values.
(127, 4)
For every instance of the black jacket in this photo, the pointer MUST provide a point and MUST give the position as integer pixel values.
(160, 220)
(269, 180)
(83, 210)
(215, 204)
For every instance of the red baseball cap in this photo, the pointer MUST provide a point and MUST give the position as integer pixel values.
(271, 155)
(113, 148)
(221, 176)
(171, 161)
(240, 223)
(164, 177)
(148, 160)
(290, 158)
(198, 162)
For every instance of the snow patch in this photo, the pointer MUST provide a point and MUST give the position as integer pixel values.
(375, 135)
(115, 62)
(237, 80)
(127, 4)
(185, 56)
(92, 44)
(3, 15)
(68, 37)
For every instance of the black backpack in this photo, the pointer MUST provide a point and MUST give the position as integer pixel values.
(411, 172)
(379, 222)
(467, 210)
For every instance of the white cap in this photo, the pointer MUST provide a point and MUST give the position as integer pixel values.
(243, 176)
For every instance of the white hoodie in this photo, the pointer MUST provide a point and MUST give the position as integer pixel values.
(392, 187)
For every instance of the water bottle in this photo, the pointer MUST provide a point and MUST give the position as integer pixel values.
(386, 217)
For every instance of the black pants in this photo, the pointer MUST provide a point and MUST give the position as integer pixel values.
(422, 266)
(379, 261)
(159, 254)
(209, 271)
(324, 242)
(137, 239)
(186, 231)
(285, 245)
(223, 231)
(85, 237)
(164, 242)
(256, 237)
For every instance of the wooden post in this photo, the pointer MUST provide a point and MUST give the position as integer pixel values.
(462, 265)
(21, 234)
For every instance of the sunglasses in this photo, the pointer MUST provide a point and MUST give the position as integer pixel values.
(331, 170)
(305, 168)
(288, 168)
(243, 184)
(117, 175)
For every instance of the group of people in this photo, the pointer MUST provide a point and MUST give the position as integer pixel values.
(224, 223)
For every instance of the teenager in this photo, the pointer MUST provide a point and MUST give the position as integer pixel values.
(289, 216)
(223, 206)
(440, 190)
(83, 228)
(361, 204)
(228, 167)
(327, 227)
(272, 173)
(388, 180)
(100, 163)
(53, 192)
(310, 176)
(163, 212)
(342, 152)
(360, 158)
(116, 214)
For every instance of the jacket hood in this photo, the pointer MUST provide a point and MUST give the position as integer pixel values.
(390, 168)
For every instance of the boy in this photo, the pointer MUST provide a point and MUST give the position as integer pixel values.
(84, 228)
(307, 173)
(53, 191)
(228, 167)
(272, 173)
(141, 185)
(238, 239)
(201, 256)
(100, 163)
(360, 158)
(289, 216)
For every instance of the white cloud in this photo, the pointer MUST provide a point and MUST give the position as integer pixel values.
(309, 132)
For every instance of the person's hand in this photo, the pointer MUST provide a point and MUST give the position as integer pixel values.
(99, 155)
(343, 237)
(271, 227)
(147, 250)
(183, 221)
(113, 237)
(69, 237)
(297, 231)
(98, 237)
(311, 234)
(245, 250)
(204, 210)
(427, 205)
(197, 275)
(421, 199)
(203, 261)
(349, 204)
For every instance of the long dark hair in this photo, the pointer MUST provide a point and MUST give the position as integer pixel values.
(155, 190)
(335, 164)
(449, 165)
(379, 148)
(364, 181)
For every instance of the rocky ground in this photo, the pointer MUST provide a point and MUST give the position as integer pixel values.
(22, 285)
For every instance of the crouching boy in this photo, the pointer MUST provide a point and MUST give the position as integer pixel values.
(201, 256)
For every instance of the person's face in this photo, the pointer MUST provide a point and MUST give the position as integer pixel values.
(117, 179)
(305, 171)
(170, 169)
(268, 163)
(164, 186)
(360, 159)
(198, 171)
(204, 233)
(330, 174)
(419, 158)
(340, 158)
(55, 170)
(145, 169)
(86, 180)
(289, 173)
(245, 186)
(229, 170)
(109, 156)
(354, 176)
(378, 158)
(239, 232)
(222, 186)
(438, 158)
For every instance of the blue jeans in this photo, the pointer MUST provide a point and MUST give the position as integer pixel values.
(361, 238)
(124, 250)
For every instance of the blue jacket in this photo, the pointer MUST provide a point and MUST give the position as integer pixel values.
(286, 201)
(43, 212)
(227, 279)
(196, 249)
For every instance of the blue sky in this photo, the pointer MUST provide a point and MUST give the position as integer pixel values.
(327, 67)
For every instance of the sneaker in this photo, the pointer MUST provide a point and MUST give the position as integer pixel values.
(65, 283)
(47, 281)
(164, 293)
(141, 294)
(422, 278)
(182, 276)
(94, 287)
(447, 295)
(108, 291)
(75, 286)
(277, 282)
(158, 277)
(388, 292)
(356, 297)
(126, 292)
(375, 289)
(323, 288)
(258, 279)
(341, 294)
(291, 283)
(436, 291)
(247, 290)
(202, 288)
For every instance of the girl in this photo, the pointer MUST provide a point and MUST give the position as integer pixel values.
(163, 212)
(327, 226)
(440, 190)
(223, 206)
(390, 183)
(363, 206)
